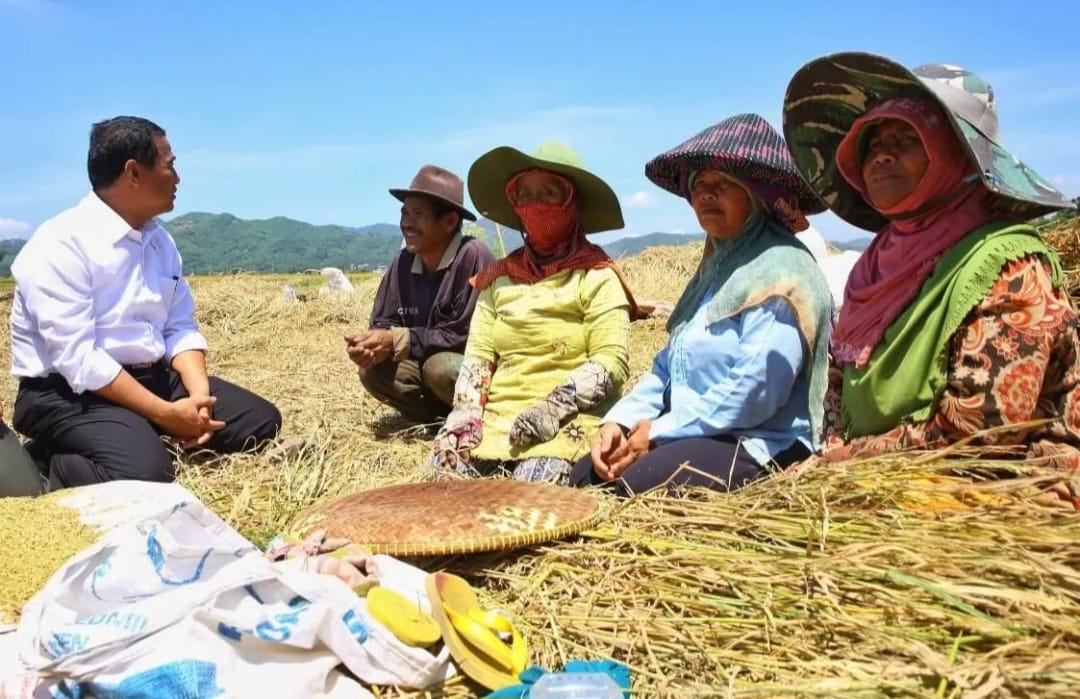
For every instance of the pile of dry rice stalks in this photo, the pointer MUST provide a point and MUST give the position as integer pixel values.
(889, 578)
(875, 579)
(1064, 236)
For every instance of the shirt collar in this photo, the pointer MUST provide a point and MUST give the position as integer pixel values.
(447, 258)
(112, 226)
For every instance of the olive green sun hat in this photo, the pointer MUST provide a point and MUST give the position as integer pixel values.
(600, 210)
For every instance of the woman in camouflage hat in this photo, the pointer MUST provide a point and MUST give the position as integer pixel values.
(956, 319)
(739, 388)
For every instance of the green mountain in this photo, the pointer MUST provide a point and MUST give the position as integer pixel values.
(222, 243)
(625, 247)
(377, 228)
(856, 244)
(214, 243)
(8, 250)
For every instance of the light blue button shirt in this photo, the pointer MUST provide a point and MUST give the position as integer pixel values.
(740, 377)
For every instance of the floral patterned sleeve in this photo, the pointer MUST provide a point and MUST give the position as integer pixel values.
(464, 426)
(1014, 360)
(834, 426)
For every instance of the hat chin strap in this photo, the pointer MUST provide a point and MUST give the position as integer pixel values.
(939, 200)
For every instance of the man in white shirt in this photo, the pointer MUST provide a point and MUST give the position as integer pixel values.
(103, 335)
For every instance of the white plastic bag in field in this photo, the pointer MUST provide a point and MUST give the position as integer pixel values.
(336, 282)
(179, 604)
(835, 266)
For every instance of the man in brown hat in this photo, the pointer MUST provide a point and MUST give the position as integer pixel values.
(411, 356)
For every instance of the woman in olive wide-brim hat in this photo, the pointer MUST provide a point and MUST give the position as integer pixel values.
(955, 319)
(737, 392)
(549, 341)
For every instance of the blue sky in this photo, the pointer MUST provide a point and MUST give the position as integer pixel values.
(313, 109)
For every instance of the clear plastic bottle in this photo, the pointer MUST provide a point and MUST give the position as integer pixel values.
(575, 685)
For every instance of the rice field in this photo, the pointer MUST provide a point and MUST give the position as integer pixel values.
(895, 577)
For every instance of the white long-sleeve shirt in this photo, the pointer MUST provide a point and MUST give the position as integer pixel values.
(91, 294)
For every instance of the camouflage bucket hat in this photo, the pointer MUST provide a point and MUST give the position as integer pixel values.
(828, 94)
(600, 210)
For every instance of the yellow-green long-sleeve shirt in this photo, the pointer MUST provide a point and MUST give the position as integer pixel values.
(535, 335)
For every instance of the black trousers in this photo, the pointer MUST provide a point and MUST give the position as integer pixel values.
(88, 439)
(19, 474)
(718, 463)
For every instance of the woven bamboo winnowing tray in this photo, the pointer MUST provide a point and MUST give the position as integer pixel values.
(452, 517)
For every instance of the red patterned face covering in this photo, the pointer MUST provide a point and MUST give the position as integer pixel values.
(549, 228)
(555, 242)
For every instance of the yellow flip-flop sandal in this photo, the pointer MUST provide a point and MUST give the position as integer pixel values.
(473, 634)
(402, 617)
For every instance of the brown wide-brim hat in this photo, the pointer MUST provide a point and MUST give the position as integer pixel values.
(439, 184)
(827, 95)
(600, 210)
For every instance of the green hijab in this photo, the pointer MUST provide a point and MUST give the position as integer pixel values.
(761, 262)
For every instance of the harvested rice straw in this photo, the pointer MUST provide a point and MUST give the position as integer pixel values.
(1065, 238)
(822, 582)
(750, 594)
(39, 535)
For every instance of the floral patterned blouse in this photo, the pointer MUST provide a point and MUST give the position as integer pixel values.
(1014, 360)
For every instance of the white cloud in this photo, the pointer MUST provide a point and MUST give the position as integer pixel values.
(579, 126)
(834, 228)
(52, 187)
(1025, 88)
(13, 228)
(640, 200)
(312, 156)
(576, 125)
(1054, 96)
(1069, 184)
(28, 6)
